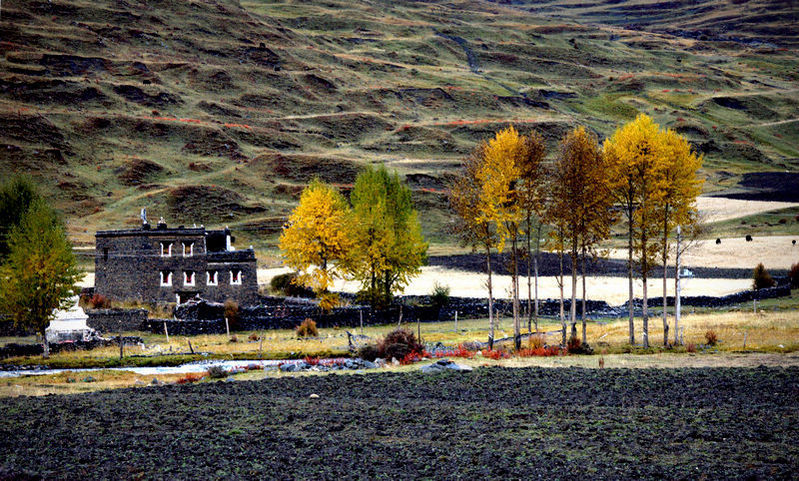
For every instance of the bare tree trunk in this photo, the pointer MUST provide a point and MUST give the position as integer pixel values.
(582, 267)
(630, 273)
(517, 336)
(677, 288)
(645, 313)
(529, 277)
(45, 346)
(535, 267)
(573, 305)
(562, 313)
(665, 276)
(490, 302)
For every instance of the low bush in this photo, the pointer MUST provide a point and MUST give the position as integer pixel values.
(793, 276)
(411, 358)
(254, 337)
(287, 285)
(231, 313)
(762, 279)
(95, 301)
(460, 351)
(189, 378)
(369, 352)
(496, 354)
(233, 338)
(307, 329)
(217, 372)
(311, 360)
(399, 343)
(536, 341)
(440, 295)
(690, 347)
(711, 338)
(539, 352)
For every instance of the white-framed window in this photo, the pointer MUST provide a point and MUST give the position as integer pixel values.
(188, 278)
(235, 277)
(166, 278)
(188, 249)
(166, 249)
(212, 278)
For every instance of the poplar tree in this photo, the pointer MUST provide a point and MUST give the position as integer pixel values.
(315, 240)
(532, 196)
(40, 272)
(677, 201)
(636, 164)
(499, 178)
(474, 230)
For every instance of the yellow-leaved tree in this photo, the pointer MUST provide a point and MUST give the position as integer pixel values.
(316, 241)
(465, 198)
(676, 204)
(636, 155)
(581, 200)
(501, 206)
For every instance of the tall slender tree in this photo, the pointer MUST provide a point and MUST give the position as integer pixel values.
(581, 203)
(532, 197)
(635, 155)
(676, 204)
(500, 178)
(465, 198)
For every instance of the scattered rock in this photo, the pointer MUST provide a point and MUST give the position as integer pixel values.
(394, 361)
(444, 365)
(139, 382)
(156, 382)
(88, 379)
(314, 396)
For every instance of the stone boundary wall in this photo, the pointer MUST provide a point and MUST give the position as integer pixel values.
(14, 350)
(110, 321)
(286, 313)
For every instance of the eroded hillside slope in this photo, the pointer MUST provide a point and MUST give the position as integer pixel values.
(218, 111)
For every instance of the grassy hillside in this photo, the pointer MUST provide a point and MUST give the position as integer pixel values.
(218, 112)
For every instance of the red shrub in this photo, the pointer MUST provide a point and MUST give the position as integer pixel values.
(189, 378)
(496, 355)
(411, 358)
(311, 361)
(99, 301)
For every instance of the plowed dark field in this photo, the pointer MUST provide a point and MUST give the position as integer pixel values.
(492, 423)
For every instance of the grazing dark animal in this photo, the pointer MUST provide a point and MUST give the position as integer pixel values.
(748, 238)
(718, 241)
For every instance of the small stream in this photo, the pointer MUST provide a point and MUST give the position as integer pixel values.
(191, 367)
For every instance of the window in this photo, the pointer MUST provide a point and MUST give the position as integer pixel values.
(212, 278)
(166, 249)
(235, 278)
(166, 278)
(188, 278)
(188, 249)
(105, 254)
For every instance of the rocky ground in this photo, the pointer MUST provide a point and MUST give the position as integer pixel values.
(727, 423)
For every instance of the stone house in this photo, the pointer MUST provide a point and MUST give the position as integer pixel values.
(168, 264)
